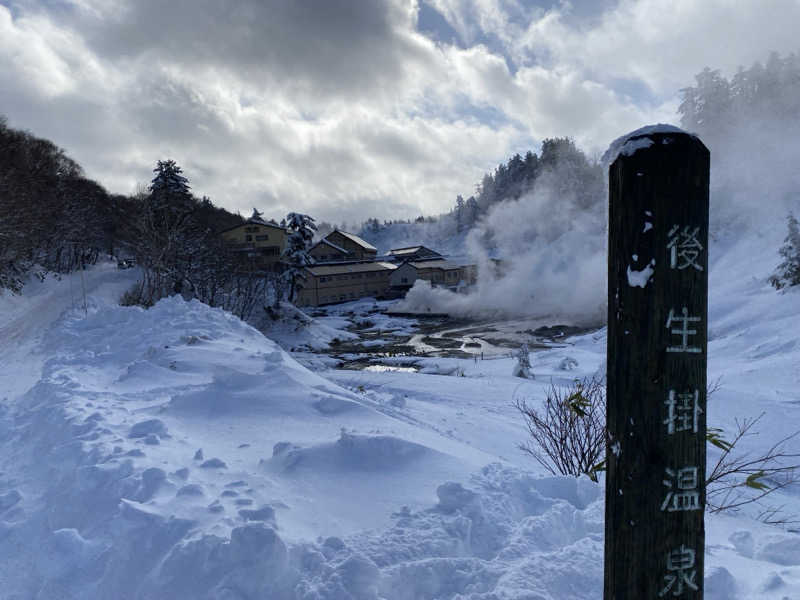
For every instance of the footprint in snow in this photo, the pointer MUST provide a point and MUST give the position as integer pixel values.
(143, 429)
(265, 513)
(191, 489)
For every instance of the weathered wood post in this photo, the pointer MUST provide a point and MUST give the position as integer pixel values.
(656, 373)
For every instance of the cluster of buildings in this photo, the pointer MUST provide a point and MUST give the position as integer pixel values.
(346, 267)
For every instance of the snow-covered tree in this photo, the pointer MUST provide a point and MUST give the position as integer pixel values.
(169, 241)
(788, 272)
(523, 366)
(296, 257)
(169, 182)
(460, 213)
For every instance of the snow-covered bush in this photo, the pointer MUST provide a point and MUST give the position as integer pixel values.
(568, 435)
(523, 366)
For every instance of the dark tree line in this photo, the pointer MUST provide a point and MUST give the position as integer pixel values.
(562, 166)
(751, 123)
(716, 106)
(51, 216)
(53, 219)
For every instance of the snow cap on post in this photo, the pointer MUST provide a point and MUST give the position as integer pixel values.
(628, 144)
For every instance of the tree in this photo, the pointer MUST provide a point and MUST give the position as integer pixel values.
(472, 209)
(788, 272)
(169, 184)
(169, 240)
(49, 214)
(296, 257)
(459, 213)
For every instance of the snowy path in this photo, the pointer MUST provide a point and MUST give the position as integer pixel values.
(24, 319)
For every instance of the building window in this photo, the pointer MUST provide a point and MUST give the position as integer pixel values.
(251, 229)
(262, 238)
(248, 238)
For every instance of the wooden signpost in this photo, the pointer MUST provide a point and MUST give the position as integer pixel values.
(656, 374)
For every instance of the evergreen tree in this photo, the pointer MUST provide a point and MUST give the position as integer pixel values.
(169, 184)
(168, 240)
(296, 257)
(459, 212)
(472, 210)
(788, 272)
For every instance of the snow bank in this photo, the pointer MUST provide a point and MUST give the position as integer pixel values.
(294, 330)
(177, 453)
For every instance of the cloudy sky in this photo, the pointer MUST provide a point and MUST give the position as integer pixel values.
(347, 109)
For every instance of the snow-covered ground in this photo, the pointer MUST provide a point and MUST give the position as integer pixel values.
(178, 453)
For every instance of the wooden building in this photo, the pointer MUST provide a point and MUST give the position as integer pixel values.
(259, 243)
(411, 253)
(356, 248)
(326, 251)
(439, 272)
(330, 283)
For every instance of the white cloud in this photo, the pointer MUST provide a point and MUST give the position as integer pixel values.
(348, 112)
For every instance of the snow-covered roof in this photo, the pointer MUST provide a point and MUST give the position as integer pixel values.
(356, 267)
(354, 238)
(331, 244)
(411, 250)
(629, 143)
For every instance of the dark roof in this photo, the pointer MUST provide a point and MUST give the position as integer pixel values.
(436, 264)
(331, 244)
(252, 221)
(353, 267)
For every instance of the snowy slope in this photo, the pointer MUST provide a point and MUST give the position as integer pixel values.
(155, 439)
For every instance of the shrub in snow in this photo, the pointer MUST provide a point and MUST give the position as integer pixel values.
(568, 435)
(523, 366)
(788, 272)
(567, 364)
(742, 477)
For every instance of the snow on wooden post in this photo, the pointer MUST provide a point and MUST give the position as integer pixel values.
(656, 373)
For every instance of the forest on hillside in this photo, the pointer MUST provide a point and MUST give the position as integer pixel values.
(53, 219)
